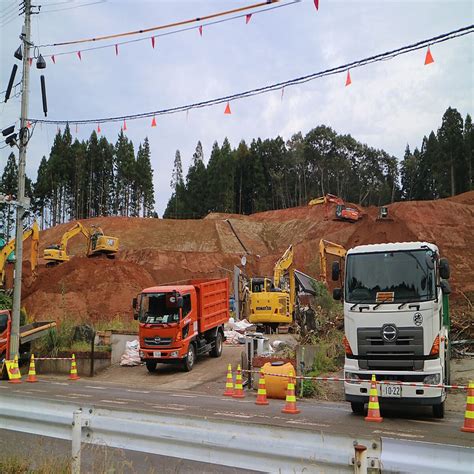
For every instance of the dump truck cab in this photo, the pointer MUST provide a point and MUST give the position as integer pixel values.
(179, 323)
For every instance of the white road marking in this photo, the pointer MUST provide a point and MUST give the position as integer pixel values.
(427, 422)
(82, 395)
(297, 422)
(395, 433)
(126, 400)
(96, 388)
(114, 401)
(3, 386)
(59, 383)
(138, 391)
(184, 396)
(65, 396)
(169, 408)
(38, 390)
(234, 415)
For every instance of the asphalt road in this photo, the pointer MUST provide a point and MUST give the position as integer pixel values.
(405, 423)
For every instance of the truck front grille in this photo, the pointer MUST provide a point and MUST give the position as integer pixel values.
(151, 341)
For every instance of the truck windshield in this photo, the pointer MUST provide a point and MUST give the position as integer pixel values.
(153, 310)
(400, 276)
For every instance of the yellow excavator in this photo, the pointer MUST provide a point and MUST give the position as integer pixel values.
(327, 247)
(273, 302)
(32, 232)
(97, 244)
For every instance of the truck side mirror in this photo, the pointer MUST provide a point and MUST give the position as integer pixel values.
(445, 287)
(335, 271)
(444, 271)
(134, 303)
(135, 316)
(337, 294)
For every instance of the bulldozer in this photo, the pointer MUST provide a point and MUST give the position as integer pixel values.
(383, 214)
(97, 244)
(7, 250)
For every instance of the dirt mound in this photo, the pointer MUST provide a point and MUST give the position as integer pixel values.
(155, 251)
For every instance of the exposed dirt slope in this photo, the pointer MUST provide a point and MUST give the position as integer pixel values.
(161, 251)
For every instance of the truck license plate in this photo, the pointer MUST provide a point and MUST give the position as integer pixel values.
(391, 390)
(156, 354)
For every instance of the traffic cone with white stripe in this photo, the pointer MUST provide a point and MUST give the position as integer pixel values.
(73, 375)
(239, 389)
(469, 415)
(229, 384)
(32, 370)
(373, 413)
(262, 391)
(290, 405)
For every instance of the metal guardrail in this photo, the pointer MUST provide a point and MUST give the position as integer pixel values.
(240, 444)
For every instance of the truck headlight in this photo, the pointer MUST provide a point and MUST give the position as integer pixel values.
(174, 354)
(434, 379)
(352, 376)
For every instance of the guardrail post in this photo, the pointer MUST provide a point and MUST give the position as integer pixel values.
(360, 459)
(76, 441)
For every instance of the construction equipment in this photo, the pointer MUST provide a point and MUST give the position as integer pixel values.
(326, 199)
(349, 214)
(383, 214)
(326, 247)
(179, 323)
(97, 244)
(273, 302)
(7, 250)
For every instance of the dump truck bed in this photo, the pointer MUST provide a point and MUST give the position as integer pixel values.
(213, 303)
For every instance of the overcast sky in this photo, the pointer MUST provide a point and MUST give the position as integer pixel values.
(388, 105)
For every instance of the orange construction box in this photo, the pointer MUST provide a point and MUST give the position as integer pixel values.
(276, 386)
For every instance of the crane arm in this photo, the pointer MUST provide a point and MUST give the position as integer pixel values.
(78, 228)
(327, 247)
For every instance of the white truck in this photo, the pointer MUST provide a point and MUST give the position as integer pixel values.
(396, 323)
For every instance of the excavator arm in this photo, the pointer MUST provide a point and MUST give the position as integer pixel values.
(283, 264)
(327, 247)
(78, 228)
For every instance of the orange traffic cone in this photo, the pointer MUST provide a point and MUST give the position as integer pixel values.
(290, 405)
(373, 413)
(262, 391)
(32, 370)
(469, 416)
(73, 375)
(14, 373)
(239, 389)
(229, 384)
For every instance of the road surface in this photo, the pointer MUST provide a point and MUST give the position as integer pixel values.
(405, 423)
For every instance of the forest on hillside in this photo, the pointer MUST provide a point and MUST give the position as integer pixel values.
(90, 178)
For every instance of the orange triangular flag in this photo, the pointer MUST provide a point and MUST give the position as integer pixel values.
(79, 55)
(247, 18)
(227, 109)
(53, 59)
(30, 60)
(98, 128)
(316, 4)
(153, 42)
(153, 122)
(28, 124)
(116, 50)
(200, 30)
(348, 78)
(124, 125)
(428, 58)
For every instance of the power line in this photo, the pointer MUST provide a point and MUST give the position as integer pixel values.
(72, 7)
(387, 55)
(166, 26)
(180, 30)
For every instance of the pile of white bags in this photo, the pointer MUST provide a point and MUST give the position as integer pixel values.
(131, 356)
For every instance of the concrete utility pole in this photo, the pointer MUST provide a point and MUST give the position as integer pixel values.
(22, 205)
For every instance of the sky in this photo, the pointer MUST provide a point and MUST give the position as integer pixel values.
(388, 105)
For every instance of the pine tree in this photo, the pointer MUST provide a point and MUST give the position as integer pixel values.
(125, 171)
(144, 180)
(176, 203)
(9, 186)
(196, 186)
(469, 150)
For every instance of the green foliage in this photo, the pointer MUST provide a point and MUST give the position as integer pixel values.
(309, 389)
(323, 298)
(6, 301)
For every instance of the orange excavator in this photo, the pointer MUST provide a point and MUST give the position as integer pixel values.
(343, 213)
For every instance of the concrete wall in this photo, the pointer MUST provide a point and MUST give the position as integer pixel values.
(64, 366)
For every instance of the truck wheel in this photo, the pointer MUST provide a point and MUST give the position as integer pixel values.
(188, 361)
(151, 365)
(217, 349)
(438, 410)
(357, 408)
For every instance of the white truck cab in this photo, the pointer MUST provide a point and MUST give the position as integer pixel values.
(396, 323)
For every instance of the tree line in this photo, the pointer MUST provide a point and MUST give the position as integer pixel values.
(82, 179)
(274, 174)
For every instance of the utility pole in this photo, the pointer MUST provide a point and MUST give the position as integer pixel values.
(22, 205)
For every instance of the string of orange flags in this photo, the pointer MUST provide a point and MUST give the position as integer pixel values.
(346, 69)
(220, 17)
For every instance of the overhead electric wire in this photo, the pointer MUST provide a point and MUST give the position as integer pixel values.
(72, 7)
(279, 85)
(180, 30)
(162, 27)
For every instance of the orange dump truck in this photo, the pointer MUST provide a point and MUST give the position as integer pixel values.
(179, 323)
